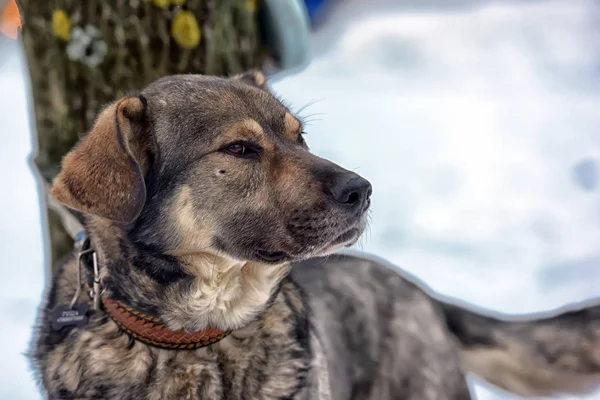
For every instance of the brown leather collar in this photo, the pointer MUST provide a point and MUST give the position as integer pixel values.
(148, 329)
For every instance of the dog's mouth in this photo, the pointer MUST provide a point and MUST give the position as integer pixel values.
(271, 256)
(346, 239)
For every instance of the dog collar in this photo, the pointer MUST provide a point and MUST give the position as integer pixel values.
(141, 326)
(151, 330)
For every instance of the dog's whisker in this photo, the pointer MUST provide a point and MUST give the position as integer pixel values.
(305, 117)
(311, 121)
(310, 103)
(310, 118)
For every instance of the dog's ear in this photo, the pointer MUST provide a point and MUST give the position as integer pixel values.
(254, 78)
(104, 174)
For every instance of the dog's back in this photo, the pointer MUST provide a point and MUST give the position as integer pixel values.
(385, 331)
(384, 337)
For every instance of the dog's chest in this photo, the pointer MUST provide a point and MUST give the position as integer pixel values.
(229, 371)
(188, 375)
(268, 359)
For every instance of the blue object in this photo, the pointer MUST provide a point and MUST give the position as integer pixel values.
(313, 7)
(287, 31)
(81, 236)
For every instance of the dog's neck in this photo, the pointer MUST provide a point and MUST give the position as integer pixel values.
(223, 293)
(187, 290)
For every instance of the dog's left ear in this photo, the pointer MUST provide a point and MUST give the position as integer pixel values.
(104, 175)
(253, 78)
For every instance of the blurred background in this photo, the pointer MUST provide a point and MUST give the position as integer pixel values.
(478, 123)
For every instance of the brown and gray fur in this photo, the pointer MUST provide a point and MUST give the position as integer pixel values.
(187, 228)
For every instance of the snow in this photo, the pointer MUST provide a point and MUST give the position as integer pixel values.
(476, 122)
(22, 245)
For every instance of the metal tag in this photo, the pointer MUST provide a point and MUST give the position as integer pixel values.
(64, 315)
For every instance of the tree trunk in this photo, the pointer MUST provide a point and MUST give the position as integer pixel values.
(84, 54)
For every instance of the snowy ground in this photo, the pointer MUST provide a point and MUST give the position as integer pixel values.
(479, 128)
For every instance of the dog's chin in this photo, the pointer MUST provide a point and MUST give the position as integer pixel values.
(279, 254)
(345, 239)
(272, 257)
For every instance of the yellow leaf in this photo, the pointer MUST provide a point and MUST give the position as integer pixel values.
(61, 25)
(185, 30)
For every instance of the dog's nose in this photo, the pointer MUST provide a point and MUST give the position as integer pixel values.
(350, 190)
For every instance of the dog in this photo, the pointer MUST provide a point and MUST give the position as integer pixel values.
(211, 270)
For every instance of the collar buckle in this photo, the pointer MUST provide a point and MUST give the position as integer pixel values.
(83, 243)
(97, 287)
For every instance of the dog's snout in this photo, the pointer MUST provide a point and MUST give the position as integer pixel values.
(350, 190)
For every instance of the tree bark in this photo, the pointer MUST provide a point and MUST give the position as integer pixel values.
(75, 70)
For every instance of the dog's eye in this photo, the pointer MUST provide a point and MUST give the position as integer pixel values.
(237, 149)
(242, 150)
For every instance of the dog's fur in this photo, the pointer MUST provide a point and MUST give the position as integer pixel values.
(188, 229)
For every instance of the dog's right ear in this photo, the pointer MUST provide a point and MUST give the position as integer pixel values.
(104, 174)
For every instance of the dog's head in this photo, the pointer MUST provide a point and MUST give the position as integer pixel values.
(215, 165)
